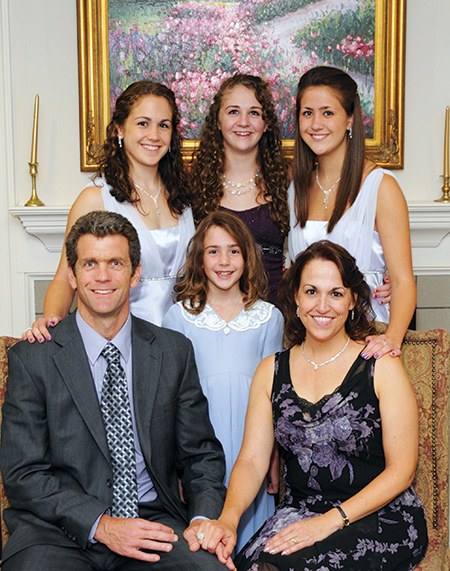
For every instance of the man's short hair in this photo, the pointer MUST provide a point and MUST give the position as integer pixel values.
(101, 223)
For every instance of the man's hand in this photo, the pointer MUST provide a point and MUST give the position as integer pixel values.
(127, 537)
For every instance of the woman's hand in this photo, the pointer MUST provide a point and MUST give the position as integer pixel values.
(213, 536)
(383, 293)
(304, 533)
(379, 345)
(39, 329)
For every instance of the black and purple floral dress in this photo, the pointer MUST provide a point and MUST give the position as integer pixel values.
(332, 449)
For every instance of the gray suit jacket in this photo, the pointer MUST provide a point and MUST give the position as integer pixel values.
(54, 455)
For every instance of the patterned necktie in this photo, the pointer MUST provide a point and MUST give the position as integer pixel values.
(119, 433)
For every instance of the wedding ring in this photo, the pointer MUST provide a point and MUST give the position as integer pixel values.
(384, 341)
(294, 541)
(200, 536)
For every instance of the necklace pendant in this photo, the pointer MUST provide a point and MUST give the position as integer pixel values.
(315, 366)
(226, 330)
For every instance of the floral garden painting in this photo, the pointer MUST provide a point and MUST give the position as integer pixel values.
(193, 45)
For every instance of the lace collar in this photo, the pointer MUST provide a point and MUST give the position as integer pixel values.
(259, 313)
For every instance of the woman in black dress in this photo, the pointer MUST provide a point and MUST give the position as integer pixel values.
(347, 429)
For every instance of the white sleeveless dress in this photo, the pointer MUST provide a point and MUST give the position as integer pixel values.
(354, 231)
(163, 252)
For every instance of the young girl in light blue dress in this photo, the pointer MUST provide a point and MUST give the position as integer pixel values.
(221, 309)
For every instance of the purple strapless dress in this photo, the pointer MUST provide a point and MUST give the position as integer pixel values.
(270, 241)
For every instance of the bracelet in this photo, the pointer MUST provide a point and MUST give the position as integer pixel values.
(345, 519)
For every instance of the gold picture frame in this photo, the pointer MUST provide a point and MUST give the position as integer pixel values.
(386, 147)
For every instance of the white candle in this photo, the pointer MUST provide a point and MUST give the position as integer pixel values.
(33, 159)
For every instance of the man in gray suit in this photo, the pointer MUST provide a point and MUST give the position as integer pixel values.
(61, 470)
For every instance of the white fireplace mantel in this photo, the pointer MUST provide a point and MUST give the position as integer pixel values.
(429, 221)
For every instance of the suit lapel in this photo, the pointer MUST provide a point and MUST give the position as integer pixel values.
(147, 361)
(73, 366)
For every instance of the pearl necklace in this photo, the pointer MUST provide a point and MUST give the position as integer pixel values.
(317, 365)
(325, 192)
(154, 197)
(235, 186)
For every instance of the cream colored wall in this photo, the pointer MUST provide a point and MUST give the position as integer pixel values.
(38, 54)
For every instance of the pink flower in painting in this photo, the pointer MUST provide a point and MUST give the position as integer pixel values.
(304, 43)
(329, 49)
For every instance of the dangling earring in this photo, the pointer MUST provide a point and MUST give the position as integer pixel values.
(350, 133)
(119, 140)
(170, 147)
(297, 313)
(352, 314)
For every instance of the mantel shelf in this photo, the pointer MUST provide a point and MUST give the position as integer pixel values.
(48, 223)
(429, 221)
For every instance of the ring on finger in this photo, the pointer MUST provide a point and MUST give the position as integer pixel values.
(27, 329)
(200, 536)
(384, 341)
(294, 541)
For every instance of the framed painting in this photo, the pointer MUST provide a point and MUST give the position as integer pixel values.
(192, 45)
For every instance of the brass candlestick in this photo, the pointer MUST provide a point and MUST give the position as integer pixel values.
(34, 200)
(446, 176)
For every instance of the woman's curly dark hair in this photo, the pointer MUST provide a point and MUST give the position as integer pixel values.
(192, 289)
(362, 323)
(112, 159)
(208, 163)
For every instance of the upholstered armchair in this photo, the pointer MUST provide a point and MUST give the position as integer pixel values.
(426, 356)
(5, 344)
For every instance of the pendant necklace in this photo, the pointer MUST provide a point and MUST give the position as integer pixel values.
(317, 365)
(236, 186)
(154, 197)
(226, 329)
(325, 192)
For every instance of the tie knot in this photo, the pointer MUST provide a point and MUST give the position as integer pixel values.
(111, 353)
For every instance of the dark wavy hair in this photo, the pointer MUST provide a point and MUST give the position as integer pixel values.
(112, 159)
(208, 163)
(101, 223)
(346, 90)
(192, 289)
(362, 323)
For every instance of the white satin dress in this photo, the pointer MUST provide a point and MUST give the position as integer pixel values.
(163, 252)
(354, 231)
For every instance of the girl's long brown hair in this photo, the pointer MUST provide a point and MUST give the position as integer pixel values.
(208, 164)
(346, 90)
(113, 162)
(192, 289)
